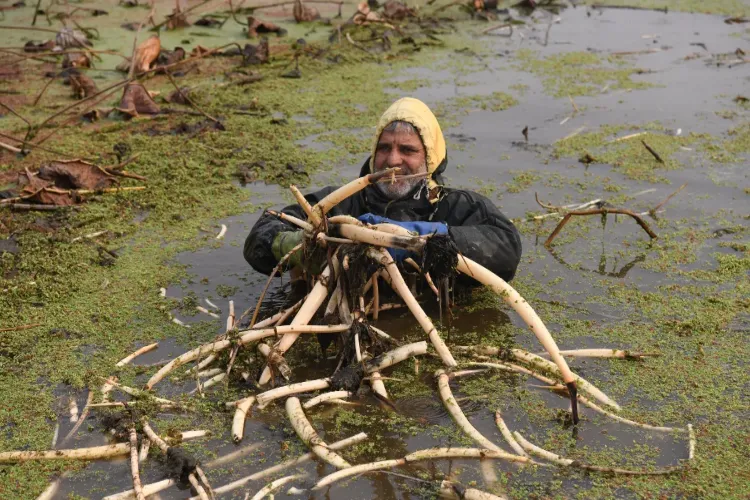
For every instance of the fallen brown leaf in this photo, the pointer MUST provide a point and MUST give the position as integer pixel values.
(252, 54)
(82, 85)
(75, 174)
(303, 13)
(136, 100)
(146, 54)
(76, 60)
(397, 11)
(256, 26)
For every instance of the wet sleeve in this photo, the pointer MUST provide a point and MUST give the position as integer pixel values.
(257, 250)
(482, 233)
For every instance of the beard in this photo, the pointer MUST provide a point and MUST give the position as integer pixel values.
(400, 188)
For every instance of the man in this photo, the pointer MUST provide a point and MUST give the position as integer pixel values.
(409, 137)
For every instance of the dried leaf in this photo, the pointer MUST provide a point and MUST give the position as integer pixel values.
(252, 54)
(177, 20)
(68, 38)
(146, 54)
(97, 114)
(209, 22)
(178, 96)
(397, 11)
(82, 85)
(199, 50)
(365, 14)
(44, 46)
(124, 66)
(167, 57)
(76, 174)
(303, 13)
(136, 100)
(256, 26)
(76, 60)
(38, 190)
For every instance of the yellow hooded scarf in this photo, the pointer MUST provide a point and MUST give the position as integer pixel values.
(417, 113)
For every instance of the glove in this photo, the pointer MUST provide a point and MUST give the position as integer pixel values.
(283, 244)
(419, 227)
(285, 241)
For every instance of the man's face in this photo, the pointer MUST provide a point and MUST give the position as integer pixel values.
(400, 148)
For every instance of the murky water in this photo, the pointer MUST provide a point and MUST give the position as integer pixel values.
(492, 148)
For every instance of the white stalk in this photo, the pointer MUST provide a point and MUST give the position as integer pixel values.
(93, 453)
(307, 311)
(507, 435)
(310, 437)
(274, 486)
(239, 483)
(325, 397)
(130, 357)
(403, 290)
(240, 414)
(455, 410)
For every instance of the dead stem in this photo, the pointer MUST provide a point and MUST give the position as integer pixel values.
(652, 151)
(600, 211)
(653, 211)
(190, 101)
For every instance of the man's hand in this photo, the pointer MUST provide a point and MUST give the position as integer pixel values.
(419, 227)
(285, 241)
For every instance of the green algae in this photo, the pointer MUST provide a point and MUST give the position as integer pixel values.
(578, 73)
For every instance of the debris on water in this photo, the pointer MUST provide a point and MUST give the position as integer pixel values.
(209, 22)
(737, 20)
(82, 85)
(348, 378)
(256, 54)
(167, 57)
(70, 38)
(44, 46)
(257, 26)
(180, 463)
(178, 96)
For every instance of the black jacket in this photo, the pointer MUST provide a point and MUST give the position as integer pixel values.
(479, 230)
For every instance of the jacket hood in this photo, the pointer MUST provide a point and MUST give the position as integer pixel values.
(417, 113)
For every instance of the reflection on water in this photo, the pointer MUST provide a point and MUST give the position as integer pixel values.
(603, 258)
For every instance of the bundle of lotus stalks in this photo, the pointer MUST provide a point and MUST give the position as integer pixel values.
(357, 260)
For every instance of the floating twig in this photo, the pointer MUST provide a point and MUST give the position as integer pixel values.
(652, 151)
(600, 211)
(653, 211)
